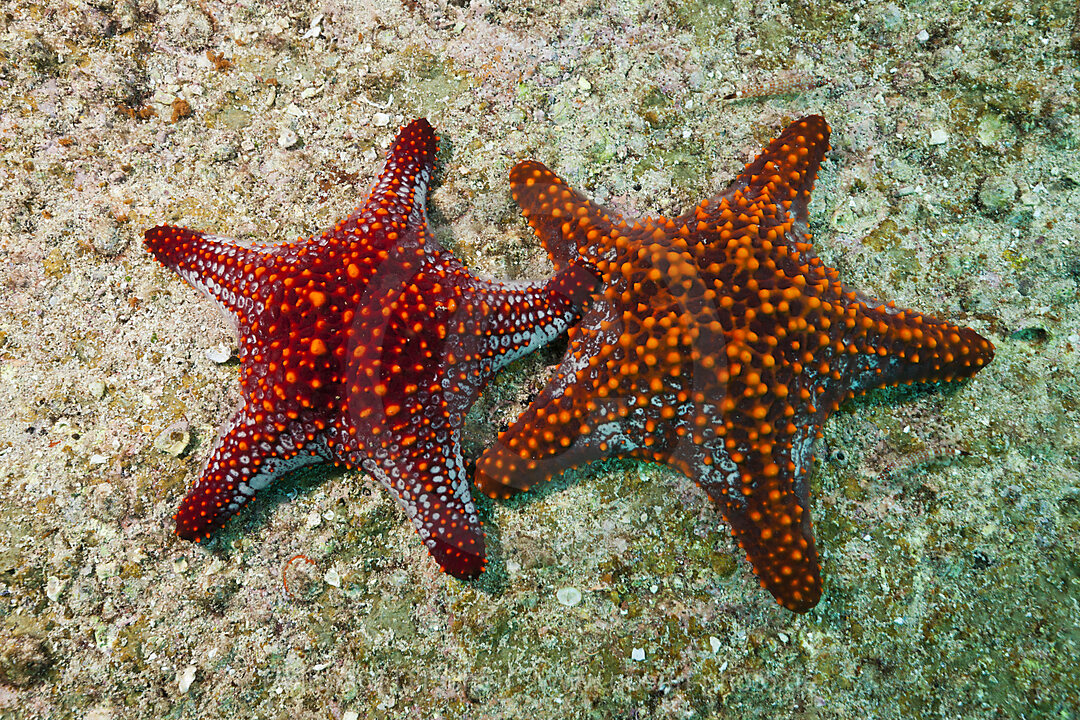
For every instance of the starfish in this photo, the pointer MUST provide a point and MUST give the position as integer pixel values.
(364, 345)
(719, 346)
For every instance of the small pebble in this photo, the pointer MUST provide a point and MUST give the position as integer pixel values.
(108, 240)
(53, 586)
(219, 353)
(223, 152)
(96, 388)
(939, 136)
(568, 596)
(185, 677)
(288, 139)
(174, 439)
(997, 194)
(332, 578)
(638, 654)
(380, 119)
(100, 712)
(269, 98)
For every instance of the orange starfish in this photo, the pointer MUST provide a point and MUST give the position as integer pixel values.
(720, 346)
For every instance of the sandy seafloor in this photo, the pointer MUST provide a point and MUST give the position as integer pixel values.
(949, 521)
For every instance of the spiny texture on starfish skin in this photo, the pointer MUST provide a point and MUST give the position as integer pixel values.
(720, 346)
(364, 345)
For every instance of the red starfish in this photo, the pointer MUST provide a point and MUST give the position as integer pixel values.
(720, 346)
(364, 345)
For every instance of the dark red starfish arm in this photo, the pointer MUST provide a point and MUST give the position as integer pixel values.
(396, 202)
(226, 270)
(256, 447)
(504, 322)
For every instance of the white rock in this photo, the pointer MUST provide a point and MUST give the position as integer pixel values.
(174, 439)
(939, 136)
(637, 654)
(53, 586)
(185, 677)
(568, 596)
(332, 578)
(96, 388)
(288, 138)
(219, 353)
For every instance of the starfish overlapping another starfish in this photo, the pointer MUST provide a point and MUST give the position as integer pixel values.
(719, 346)
(364, 345)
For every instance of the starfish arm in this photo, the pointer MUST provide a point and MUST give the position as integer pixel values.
(891, 346)
(533, 451)
(566, 425)
(386, 236)
(397, 201)
(222, 268)
(772, 194)
(764, 495)
(427, 476)
(567, 223)
(410, 380)
(250, 454)
(500, 322)
(784, 172)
